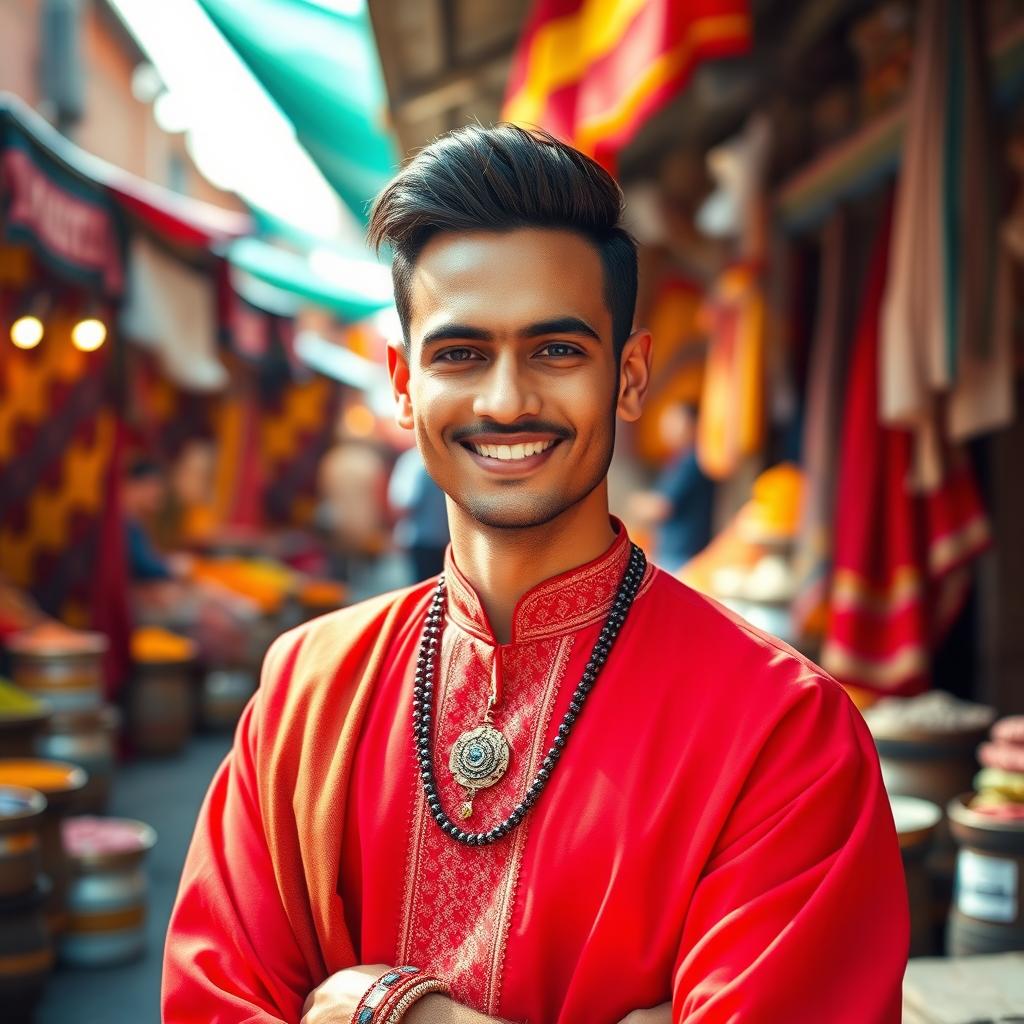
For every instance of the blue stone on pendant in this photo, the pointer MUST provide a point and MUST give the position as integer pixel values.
(475, 754)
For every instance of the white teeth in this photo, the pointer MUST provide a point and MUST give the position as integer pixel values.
(512, 452)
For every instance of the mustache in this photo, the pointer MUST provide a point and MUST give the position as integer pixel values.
(519, 427)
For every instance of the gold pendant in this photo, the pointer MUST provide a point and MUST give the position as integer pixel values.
(479, 759)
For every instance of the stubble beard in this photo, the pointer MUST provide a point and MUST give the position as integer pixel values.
(497, 512)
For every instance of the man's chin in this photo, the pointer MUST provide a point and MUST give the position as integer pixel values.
(501, 514)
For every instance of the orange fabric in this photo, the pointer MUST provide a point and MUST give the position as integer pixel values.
(718, 820)
(732, 408)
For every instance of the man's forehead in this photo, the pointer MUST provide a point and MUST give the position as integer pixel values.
(519, 277)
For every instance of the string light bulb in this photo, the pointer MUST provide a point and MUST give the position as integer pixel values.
(88, 335)
(27, 332)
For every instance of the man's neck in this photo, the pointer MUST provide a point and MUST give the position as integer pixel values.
(502, 565)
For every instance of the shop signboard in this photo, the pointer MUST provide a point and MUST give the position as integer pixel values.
(70, 224)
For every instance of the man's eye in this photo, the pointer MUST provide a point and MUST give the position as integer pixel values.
(456, 355)
(559, 350)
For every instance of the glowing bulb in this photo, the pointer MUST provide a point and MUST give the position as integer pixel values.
(88, 335)
(27, 331)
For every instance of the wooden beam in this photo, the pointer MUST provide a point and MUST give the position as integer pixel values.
(454, 87)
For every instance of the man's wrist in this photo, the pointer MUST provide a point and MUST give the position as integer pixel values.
(432, 1009)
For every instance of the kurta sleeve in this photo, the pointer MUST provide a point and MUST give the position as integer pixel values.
(231, 956)
(801, 913)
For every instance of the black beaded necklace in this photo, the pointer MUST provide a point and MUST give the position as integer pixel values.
(423, 701)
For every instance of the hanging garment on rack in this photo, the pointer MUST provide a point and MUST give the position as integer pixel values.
(944, 373)
(901, 559)
(829, 355)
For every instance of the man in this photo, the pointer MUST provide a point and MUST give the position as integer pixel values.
(558, 781)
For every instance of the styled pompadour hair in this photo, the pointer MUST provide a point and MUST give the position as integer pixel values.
(500, 179)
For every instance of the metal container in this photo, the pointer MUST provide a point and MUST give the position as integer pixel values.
(107, 897)
(161, 706)
(88, 739)
(934, 767)
(225, 692)
(62, 667)
(21, 817)
(60, 783)
(26, 952)
(988, 905)
(916, 822)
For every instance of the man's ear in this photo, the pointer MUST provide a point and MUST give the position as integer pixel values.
(634, 375)
(398, 371)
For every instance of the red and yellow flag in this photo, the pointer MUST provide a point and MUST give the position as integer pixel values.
(592, 71)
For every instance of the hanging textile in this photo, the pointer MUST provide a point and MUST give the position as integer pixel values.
(171, 309)
(731, 425)
(829, 355)
(61, 536)
(937, 335)
(593, 71)
(901, 559)
(298, 428)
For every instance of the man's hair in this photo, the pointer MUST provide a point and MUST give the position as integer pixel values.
(500, 179)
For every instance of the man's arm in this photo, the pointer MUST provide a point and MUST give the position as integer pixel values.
(231, 956)
(338, 997)
(801, 913)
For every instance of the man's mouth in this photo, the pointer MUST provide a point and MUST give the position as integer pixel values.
(510, 452)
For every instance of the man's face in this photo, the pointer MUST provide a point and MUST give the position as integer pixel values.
(512, 381)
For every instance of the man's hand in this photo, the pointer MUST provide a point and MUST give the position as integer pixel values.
(336, 998)
(656, 1015)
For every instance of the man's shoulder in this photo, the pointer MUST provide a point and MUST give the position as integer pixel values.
(740, 659)
(316, 648)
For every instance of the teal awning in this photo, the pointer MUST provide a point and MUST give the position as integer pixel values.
(321, 68)
(352, 286)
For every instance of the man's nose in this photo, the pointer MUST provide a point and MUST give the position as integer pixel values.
(506, 394)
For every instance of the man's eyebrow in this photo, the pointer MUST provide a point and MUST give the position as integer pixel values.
(456, 332)
(542, 328)
(560, 325)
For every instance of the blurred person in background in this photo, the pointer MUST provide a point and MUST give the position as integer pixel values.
(163, 592)
(353, 514)
(678, 508)
(421, 527)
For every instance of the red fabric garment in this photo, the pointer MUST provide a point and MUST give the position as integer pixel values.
(593, 72)
(716, 825)
(900, 558)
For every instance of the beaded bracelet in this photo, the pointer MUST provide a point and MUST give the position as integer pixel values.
(400, 1001)
(391, 995)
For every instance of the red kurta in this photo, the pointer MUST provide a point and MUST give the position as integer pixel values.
(716, 832)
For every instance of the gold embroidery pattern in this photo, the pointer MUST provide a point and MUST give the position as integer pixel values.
(458, 900)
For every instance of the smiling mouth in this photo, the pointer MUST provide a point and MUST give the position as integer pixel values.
(510, 452)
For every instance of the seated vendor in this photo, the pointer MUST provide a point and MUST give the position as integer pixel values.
(164, 592)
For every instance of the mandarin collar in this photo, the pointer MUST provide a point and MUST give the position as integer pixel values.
(562, 604)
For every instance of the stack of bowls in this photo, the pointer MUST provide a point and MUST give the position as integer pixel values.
(26, 950)
(88, 739)
(60, 783)
(61, 666)
(162, 693)
(107, 897)
(916, 822)
(987, 915)
(22, 719)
